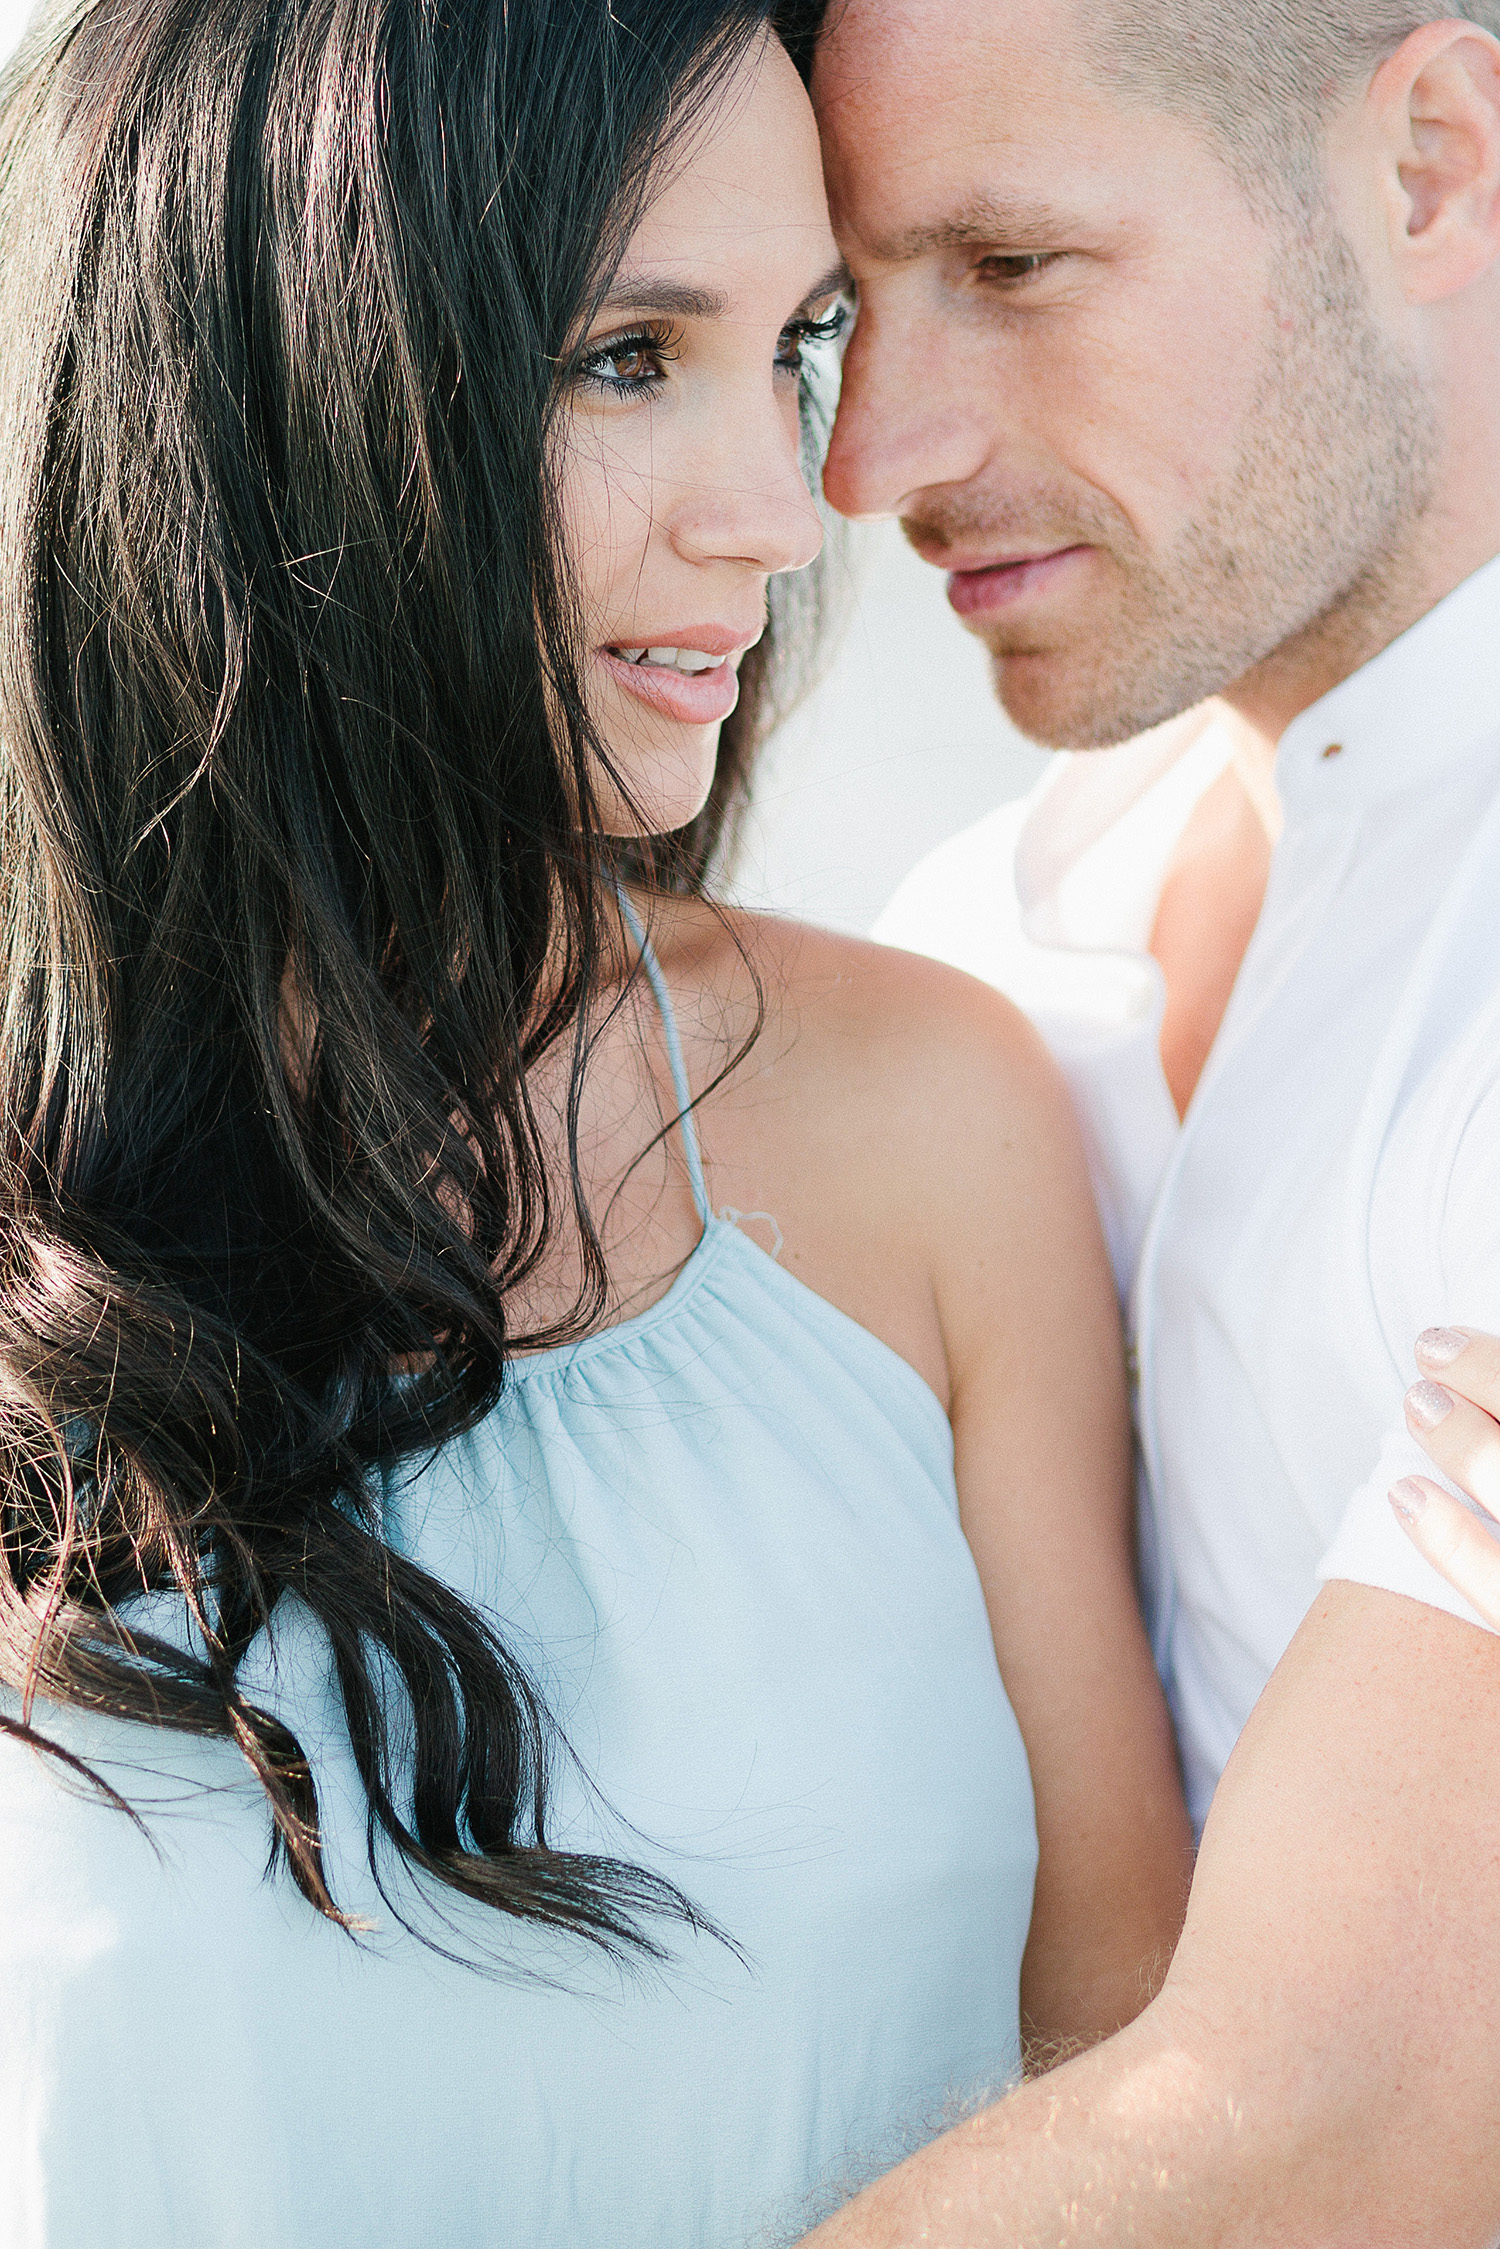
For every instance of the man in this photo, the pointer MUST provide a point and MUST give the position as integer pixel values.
(1179, 347)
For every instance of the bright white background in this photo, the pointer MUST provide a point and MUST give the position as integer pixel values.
(901, 746)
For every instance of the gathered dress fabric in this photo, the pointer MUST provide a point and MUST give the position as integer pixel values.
(724, 1539)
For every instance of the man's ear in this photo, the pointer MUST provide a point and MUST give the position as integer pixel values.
(1435, 108)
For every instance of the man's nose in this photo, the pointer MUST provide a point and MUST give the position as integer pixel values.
(906, 421)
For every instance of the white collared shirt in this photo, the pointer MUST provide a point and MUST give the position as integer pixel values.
(1335, 1186)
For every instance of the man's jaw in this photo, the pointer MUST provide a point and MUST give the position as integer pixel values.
(1055, 618)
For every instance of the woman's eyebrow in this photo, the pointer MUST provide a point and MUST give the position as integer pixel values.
(647, 292)
(833, 283)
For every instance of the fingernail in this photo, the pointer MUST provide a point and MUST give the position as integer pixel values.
(1408, 1499)
(1427, 1404)
(1441, 1346)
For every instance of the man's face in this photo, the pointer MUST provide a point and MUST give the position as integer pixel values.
(1156, 434)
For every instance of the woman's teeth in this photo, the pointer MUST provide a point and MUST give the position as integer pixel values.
(672, 659)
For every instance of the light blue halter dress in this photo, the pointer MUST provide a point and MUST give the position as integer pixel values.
(725, 1537)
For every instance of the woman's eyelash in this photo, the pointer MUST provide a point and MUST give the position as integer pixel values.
(659, 344)
(656, 341)
(824, 331)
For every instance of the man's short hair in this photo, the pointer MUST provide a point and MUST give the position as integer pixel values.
(1262, 75)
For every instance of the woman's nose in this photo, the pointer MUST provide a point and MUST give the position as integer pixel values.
(752, 505)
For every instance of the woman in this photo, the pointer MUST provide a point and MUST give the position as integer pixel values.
(412, 1456)
(1452, 1412)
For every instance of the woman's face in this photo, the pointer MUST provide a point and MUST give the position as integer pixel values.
(681, 478)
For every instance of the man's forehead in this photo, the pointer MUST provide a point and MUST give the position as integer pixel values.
(947, 122)
(958, 51)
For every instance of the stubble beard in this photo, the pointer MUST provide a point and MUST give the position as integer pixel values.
(1307, 544)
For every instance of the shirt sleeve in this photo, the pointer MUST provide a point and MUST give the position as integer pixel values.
(1371, 1548)
(1454, 1281)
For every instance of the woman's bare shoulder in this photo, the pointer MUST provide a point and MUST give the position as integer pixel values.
(907, 1053)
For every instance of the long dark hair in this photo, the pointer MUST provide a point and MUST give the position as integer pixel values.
(297, 875)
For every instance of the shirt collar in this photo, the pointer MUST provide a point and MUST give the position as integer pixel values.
(1410, 712)
(1093, 851)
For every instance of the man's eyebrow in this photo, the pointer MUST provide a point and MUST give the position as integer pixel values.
(983, 224)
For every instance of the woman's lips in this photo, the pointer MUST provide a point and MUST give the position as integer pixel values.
(997, 585)
(693, 698)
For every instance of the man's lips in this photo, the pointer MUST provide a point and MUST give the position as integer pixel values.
(987, 586)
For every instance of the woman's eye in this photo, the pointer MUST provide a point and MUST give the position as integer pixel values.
(627, 366)
(801, 335)
(634, 365)
(1009, 270)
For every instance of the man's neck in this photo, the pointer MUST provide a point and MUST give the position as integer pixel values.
(1350, 635)
(1216, 880)
(1252, 757)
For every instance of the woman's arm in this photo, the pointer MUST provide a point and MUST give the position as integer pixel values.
(1031, 1328)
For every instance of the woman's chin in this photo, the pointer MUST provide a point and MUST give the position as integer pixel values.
(657, 791)
(664, 820)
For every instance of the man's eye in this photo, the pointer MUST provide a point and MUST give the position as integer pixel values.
(1007, 270)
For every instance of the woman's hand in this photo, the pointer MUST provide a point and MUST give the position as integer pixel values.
(1454, 1414)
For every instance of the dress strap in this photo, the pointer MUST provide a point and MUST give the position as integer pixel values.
(680, 1084)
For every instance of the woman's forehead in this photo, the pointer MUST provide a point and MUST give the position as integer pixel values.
(744, 199)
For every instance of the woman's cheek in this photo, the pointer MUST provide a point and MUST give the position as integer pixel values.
(607, 511)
